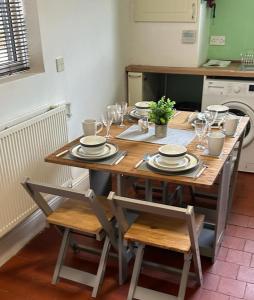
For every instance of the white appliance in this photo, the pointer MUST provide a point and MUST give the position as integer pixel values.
(238, 95)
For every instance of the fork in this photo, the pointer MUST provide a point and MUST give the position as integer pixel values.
(145, 158)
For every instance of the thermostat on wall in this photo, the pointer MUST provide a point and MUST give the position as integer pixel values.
(189, 36)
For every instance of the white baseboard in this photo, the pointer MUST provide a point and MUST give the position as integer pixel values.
(16, 239)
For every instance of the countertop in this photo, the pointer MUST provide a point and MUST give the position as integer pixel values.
(233, 70)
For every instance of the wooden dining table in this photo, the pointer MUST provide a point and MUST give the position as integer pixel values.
(220, 170)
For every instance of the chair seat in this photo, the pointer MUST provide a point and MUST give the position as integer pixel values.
(163, 232)
(78, 215)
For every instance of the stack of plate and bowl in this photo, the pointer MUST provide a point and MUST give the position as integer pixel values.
(140, 110)
(94, 147)
(221, 110)
(173, 159)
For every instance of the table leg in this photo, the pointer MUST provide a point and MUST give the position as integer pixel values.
(236, 159)
(222, 206)
(148, 190)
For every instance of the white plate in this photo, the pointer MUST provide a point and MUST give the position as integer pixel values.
(103, 152)
(110, 150)
(175, 165)
(193, 163)
(134, 114)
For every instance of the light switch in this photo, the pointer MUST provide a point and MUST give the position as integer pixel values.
(60, 64)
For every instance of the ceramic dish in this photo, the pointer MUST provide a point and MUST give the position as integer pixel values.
(93, 144)
(179, 164)
(191, 165)
(92, 141)
(172, 150)
(142, 108)
(104, 151)
(142, 105)
(218, 108)
(110, 150)
(134, 114)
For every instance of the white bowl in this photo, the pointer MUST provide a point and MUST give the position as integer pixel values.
(93, 144)
(142, 105)
(172, 153)
(222, 110)
(143, 108)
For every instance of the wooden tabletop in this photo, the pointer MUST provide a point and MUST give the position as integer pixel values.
(233, 70)
(136, 151)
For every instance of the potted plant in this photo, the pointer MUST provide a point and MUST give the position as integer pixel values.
(160, 113)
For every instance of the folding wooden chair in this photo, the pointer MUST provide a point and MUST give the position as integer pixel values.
(162, 226)
(80, 213)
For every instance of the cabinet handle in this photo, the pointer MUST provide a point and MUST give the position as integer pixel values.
(134, 76)
(193, 11)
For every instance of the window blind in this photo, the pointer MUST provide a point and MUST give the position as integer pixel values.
(13, 42)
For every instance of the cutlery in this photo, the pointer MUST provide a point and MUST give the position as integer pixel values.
(121, 158)
(201, 171)
(62, 153)
(145, 158)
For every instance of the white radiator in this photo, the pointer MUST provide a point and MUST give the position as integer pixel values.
(22, 151)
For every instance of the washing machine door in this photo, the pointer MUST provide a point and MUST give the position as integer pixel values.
(242, 109)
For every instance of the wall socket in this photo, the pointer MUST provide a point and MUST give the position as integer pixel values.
(217, 40)
(60, 64)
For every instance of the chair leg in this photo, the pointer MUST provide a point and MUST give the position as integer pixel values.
(136, 271)
(102, 266)
(197, 266)
(184, 278)
(122, 260)
(61, 255)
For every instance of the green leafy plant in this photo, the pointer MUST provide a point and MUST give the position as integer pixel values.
(161, 111)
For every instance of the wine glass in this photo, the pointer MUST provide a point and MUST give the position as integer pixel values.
(200, 129)
(122, 109)
(107, 118)
(210, 117)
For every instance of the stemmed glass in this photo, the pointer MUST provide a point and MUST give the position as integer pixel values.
(121, 109)
(210, 117)
(200, 129)
(107, 118)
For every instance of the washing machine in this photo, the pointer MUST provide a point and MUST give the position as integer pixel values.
(238, 95)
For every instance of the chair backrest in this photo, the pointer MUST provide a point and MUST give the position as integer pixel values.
(35, 190)
(119, 206)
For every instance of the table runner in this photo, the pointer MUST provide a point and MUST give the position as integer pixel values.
(174, 136)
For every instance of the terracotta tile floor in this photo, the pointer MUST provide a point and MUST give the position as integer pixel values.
(27, 276)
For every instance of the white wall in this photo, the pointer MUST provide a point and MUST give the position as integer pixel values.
(86, 33)
(160, 44)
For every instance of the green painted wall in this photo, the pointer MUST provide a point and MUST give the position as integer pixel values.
(235, 20)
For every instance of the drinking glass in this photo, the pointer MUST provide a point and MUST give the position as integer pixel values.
(107, 119)
(122, 109)
(210, 117)
(114, 108)
(200, 129)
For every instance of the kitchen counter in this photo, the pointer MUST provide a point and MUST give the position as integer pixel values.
(233, 70)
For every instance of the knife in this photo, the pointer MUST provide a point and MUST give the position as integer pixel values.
(200, 171)
(120, 158)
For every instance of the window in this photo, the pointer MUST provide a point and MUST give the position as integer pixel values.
(13, 42)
